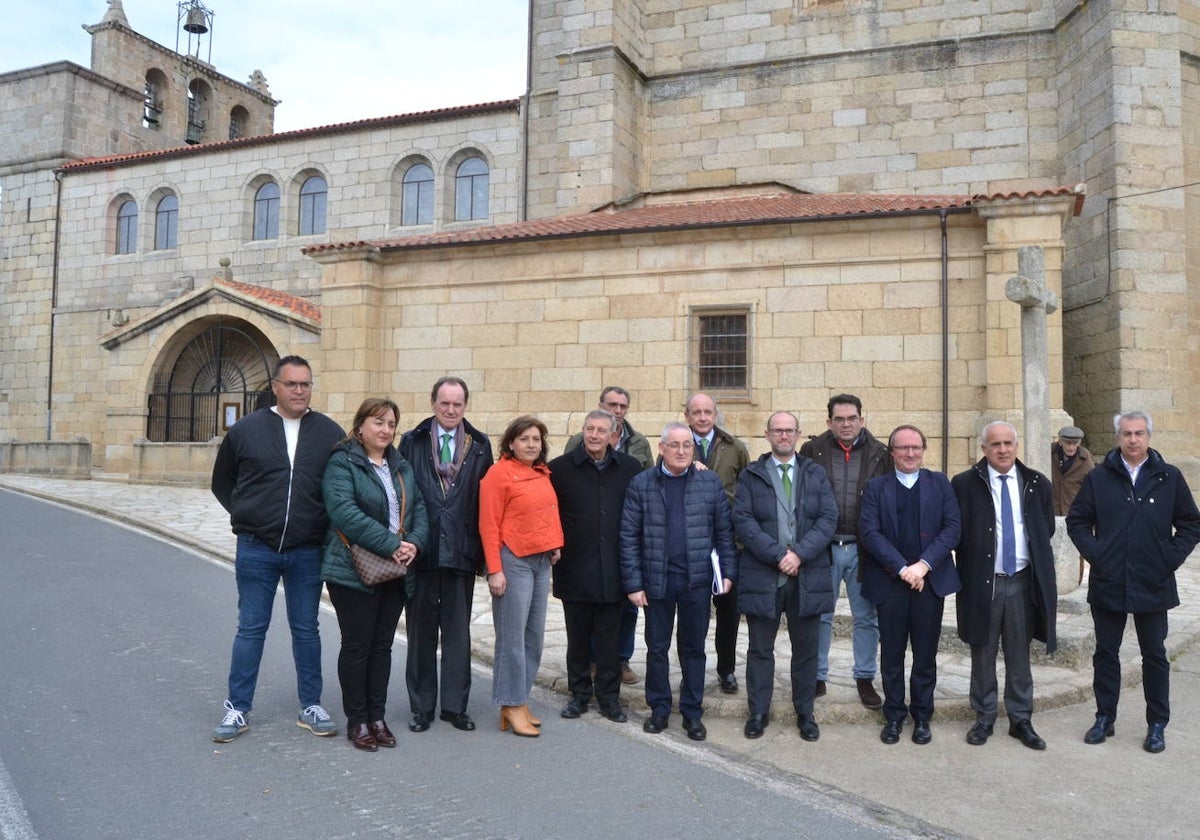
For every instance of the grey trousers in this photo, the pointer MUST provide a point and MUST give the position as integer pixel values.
(519, 616)
(1011, 627)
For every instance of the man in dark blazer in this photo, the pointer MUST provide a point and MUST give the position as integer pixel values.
(1009, 590)
(590, 483)
(908, 525)
(784, 515)
(1135, 521)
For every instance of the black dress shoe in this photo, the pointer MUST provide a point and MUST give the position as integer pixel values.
(694, 729)
(420, 723)
(1101, 729)
(921, 733)
(614, 712)
(979, 734)
(809, 730)
(755, 724)
(820, 692)
(575, 707)
(459, 720)
(1022, 730)
(729, 684)
(655, 724)
(1155, 741)
(360, 735)
(890, 734)
(383, 736)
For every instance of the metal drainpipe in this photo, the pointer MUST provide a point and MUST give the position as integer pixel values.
(58, 176)
(523, 210)
(945, 294)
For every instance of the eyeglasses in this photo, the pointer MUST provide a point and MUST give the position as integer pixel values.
(680, 445)
(845, 421)
(783, 432)
(917, 448)
(294, 386)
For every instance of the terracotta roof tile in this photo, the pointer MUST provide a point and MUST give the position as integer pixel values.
(87, 164)
(301, 306)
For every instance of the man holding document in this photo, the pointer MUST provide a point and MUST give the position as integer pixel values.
(784, 515)
(675, 517)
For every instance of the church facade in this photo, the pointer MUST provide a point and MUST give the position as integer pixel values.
(771, 201)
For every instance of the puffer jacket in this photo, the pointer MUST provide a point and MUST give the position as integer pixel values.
(644, 531)
(1134, 537)
(756, 523)
(874, 460)
(358, 507)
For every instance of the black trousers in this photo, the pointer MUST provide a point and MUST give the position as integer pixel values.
(804, 631)
(587, 622)
(727, 631)
(905, 616)
(1151, 630)
(368, 624)
(440, 606)
(693, 608)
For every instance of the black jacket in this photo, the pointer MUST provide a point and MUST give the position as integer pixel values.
(827, 453)
(1134, 537)
(756, 524)
(589, 507)
(975, 556)
(453, 514)
(276, 501)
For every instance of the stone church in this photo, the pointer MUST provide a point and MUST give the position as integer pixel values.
(768, 200)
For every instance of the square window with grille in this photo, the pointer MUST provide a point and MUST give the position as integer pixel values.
(721, 350)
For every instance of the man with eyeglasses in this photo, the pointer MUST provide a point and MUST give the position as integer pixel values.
(850, 456)
(784, 515)
(721, 452)
(615, 400)
(908, 525)
(267, 474)
(674, 518)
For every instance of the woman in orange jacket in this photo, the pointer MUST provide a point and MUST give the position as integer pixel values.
(522, 538)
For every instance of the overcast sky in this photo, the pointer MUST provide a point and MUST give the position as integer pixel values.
(329, 61)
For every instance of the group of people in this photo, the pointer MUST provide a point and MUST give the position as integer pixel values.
(700, 529)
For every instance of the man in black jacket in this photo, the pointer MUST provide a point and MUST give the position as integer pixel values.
(449, 456)
(850, 456)
(1009, 591)
(590, 483)
(784, 515)
(267, 474)
(1135, 521)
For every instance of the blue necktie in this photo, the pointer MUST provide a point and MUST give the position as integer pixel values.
(1008, 540)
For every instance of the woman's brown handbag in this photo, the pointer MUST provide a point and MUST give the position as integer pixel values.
(371, 568)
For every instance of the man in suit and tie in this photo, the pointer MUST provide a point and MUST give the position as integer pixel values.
(1009, 590)
(785, 515)
(908, 525)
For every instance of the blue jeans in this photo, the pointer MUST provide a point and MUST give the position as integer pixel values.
(259, 570)
(519, 617)
(866, 623)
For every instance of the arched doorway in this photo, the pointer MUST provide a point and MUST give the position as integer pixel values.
(221, 374)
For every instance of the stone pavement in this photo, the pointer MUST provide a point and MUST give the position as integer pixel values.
(192, 517)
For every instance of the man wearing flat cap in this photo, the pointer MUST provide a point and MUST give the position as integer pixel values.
(1070, 461)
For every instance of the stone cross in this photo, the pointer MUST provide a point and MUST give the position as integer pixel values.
(1028, 289)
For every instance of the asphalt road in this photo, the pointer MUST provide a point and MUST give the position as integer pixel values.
(112, 673)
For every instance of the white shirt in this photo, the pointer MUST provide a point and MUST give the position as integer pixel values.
(1014, 499)
(1132, 470)
(453, 442)
(908, 479)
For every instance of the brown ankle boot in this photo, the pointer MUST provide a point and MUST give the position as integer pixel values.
(516, 718)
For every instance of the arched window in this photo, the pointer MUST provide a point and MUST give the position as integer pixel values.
(418, 195)
(313, 197)
(127, 227)
(266, 211)
(166, 223)
(471, 190)
(239, 122)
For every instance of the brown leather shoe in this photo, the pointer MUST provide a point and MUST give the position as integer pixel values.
(383, 736)
(628, 675)
(360, 735)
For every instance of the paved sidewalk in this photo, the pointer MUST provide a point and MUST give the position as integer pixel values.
(192, 517)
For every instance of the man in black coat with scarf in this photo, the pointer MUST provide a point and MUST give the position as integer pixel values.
(590, 482)
(1135, 521)
(1009, 591)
